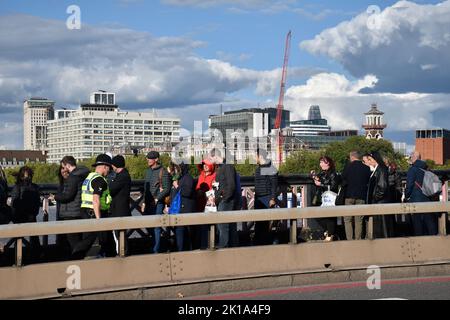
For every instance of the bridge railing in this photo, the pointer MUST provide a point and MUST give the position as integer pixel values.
(19, 231)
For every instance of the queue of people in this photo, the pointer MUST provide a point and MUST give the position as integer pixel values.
(105, 192)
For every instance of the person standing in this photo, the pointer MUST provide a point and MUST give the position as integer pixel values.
(355, 178)
(119, 188)
(326, 180)
(5, 210)
(95, 204)
(156, 188)
(266, 185)
(26, 203)
(184, 184)
(69, 197)
(377, 193)
(225, 197)
(423, 224)
(204, 185)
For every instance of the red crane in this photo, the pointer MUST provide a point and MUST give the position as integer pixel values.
(280, 106)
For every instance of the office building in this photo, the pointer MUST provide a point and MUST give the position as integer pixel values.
(434, 145)
(101, 127)
(36, 113)
(260, 122)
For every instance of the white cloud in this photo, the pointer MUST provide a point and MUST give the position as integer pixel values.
(343, 104)
(412, 39)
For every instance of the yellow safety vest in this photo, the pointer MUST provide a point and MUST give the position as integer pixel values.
(87, 194)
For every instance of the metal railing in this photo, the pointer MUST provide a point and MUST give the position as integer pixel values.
(294, 184)
(20, 231)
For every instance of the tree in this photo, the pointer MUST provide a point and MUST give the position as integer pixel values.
(301, 162)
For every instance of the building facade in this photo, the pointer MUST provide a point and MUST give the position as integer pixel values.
(36, 113)
(19, 158)
(374, 125)
(99, 128)
(314, 126)
(260, 122)
(434, 145)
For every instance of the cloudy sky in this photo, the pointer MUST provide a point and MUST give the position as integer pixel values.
(189, 57)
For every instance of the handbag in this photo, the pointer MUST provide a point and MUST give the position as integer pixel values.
(175, 205)
(329, 199)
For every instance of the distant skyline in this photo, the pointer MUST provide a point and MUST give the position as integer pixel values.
(186, 58)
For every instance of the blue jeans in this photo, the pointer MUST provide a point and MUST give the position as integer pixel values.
(179, 233)
(228, 231)
(156, 210)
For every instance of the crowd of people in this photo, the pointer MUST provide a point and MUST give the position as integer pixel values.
(104, 192)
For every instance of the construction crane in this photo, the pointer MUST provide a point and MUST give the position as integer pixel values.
(280, 106)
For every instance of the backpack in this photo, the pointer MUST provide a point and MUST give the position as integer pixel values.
(431, 185)
(175, 204)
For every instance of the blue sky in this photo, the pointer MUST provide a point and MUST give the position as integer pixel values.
(246, 41)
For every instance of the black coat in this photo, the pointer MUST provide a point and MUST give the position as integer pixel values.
(266, 181)
(119, 188)
(26, 202)
(70, 198)
(5, 211)
(355, 179)
(329, 180)
(226, 177)
(378, 186)
(187, 185)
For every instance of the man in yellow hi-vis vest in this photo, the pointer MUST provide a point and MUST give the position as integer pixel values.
(95, 202)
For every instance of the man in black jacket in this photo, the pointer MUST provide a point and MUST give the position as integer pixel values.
(119, 189)
(225, 188)
(70, 197)
(266, 185)
(355, 177)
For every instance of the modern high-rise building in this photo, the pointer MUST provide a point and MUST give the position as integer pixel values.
(102, 127)
(36, 113)
(374, 125)
(314, 126)
(434, 145)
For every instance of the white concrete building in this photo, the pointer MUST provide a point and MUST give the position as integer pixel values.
(99, 128)
(36, 113)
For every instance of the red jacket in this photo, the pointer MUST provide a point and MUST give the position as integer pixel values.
(204, 184)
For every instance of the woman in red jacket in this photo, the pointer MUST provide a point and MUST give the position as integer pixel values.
(205, 181)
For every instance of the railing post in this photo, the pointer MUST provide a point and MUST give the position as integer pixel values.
(370, 228)
(122, 243)
(212, 237)
(19, 249)
(293, 231)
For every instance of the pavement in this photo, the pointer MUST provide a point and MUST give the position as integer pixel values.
(433, 288)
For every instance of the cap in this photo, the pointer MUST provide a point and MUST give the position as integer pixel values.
(102, 159)
(153, 155)
(118, 161)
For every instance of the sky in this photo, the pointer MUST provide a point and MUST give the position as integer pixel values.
(186, 58)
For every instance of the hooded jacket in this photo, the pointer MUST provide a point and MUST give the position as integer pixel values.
(187, 186)
(415, 176)
(70, 197)
(119, 189)
(204, 184)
